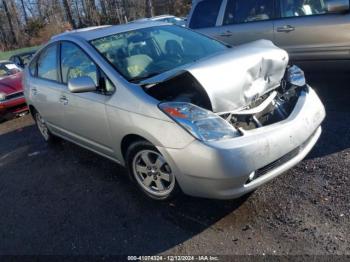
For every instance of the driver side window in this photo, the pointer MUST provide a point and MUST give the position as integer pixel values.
(75, 63)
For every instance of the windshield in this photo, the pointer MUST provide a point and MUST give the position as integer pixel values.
(7, 69)
(147, 52)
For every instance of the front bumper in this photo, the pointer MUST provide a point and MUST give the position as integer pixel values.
(221, 169)
(13, 107)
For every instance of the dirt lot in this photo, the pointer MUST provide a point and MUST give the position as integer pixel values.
(66, 200)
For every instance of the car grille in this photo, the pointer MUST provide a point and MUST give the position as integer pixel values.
(15, 95)
(279, 162)
(262, 171)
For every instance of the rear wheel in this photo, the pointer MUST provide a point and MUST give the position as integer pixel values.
(44, 130)
(151, 172)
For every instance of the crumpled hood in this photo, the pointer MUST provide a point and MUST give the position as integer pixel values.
(235, 78)
(11, 84)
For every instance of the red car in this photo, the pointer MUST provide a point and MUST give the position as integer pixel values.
(12, 102)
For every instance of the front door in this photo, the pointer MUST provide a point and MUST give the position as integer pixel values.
(246, 20)
(84, 113)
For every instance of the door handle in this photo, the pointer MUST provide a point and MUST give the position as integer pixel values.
(285, 29)
(34, 91)
(64, 100)
(226, 34)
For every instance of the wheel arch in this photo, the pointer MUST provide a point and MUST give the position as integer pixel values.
(128, 140)
(32, 110)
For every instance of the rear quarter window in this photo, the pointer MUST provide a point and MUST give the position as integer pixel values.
(205, 14)
(32, 67)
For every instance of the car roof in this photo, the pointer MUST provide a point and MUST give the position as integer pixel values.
(96, 32)
(161, 17)
(154, 18)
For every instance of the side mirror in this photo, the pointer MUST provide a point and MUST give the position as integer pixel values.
(81, 84)
(337, 6)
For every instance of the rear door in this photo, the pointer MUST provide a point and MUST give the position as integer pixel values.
(308, 32)
(45, 88)
(246, 20)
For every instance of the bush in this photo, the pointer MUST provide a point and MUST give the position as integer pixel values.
(47, 32)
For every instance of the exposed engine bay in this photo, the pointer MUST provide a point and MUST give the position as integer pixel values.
(182, 88)
(272, 107)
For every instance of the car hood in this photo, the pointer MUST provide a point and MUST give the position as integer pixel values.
(235, 78)
(11, 84)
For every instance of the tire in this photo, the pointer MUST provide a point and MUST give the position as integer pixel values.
(150, 171)
(43, 129)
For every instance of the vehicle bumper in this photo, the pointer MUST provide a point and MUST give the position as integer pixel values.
(13, 107)
(221, 170)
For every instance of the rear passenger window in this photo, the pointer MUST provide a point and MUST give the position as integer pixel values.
(293, 8)
(47, 64)
(245, 11)
(205, 14)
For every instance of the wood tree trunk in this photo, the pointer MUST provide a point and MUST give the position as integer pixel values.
(9, 19)
(68, 13)
(149, 8)
(39, 6)
(24, 12)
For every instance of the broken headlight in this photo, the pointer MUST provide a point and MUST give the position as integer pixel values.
(202, 124)
(296, 76)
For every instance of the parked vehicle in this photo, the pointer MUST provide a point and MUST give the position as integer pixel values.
(178, 109)
(12, 102)
(165, 19)
(311, 31)
(22, 59)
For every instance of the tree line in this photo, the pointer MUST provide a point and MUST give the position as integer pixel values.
(32, 22)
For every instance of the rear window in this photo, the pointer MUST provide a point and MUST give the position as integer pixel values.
(205, 14)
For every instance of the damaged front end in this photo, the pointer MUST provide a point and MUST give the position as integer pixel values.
(225, 95)
(273, 107)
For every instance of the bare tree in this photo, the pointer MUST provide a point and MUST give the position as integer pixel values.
(68, 13)
(9, 19)
(31, 22)
(24, 12)
(149, 8)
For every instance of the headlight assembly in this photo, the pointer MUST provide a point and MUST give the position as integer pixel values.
(202, 124)
(296, 76)
(2, 96)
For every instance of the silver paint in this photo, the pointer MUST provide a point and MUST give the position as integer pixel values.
(219, 169)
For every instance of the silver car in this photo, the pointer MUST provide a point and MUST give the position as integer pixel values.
(315, 33)
(181, 111)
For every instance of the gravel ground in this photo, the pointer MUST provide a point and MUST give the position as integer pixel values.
(65, 200)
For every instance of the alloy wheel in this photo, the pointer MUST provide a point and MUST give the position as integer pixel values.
(153, 173)
(42, 126)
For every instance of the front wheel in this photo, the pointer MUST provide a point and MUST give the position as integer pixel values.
(151, 172)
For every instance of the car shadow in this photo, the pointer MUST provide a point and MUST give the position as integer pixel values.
(334, 91)
(62, 199)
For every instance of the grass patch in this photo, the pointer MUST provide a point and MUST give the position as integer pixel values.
(7, 55)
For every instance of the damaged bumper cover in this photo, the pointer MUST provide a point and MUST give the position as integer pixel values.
(231, 168)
